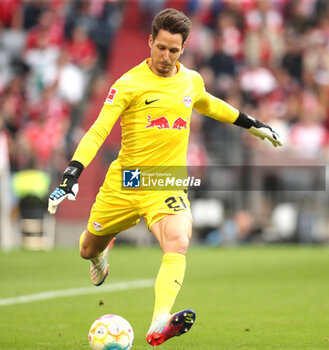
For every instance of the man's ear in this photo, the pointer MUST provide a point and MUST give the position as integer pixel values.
(150, 41)
(183, 47)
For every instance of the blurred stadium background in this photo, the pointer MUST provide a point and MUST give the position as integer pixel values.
(269, 58)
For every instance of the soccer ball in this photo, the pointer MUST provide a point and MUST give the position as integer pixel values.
(111, 332)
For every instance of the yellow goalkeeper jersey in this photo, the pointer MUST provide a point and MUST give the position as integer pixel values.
(155, 118)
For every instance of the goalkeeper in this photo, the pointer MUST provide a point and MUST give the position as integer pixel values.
(155, 101)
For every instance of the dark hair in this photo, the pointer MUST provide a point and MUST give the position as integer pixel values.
(173, 21)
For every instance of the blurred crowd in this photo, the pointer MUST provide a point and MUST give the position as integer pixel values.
(268, 58)
(50, 52)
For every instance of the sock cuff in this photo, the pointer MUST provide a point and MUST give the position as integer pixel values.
(82, 236)
(174, 258)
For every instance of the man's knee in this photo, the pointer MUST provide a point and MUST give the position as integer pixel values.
(173, 232)
(183, 242)
(87, 252)
(91, 245)
(176, 241)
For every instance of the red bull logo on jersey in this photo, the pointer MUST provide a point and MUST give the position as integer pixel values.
(111, 95)
(163, 123)
(187, 101)
(179, 123)
(160, 123)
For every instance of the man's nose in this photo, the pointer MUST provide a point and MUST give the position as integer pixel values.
(166, 55)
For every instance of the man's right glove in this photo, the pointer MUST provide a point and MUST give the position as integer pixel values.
(68, 188)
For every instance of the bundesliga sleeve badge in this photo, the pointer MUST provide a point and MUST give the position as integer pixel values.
(110, 97)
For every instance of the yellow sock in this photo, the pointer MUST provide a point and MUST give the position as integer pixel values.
(168, 282)
(81, 238)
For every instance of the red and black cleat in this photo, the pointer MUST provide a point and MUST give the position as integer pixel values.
(164, 328)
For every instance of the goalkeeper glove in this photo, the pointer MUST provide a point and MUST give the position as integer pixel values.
(258, 129)
(68, 188)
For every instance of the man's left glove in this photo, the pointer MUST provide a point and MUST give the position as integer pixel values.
(68, 188)
(266, 132)
(259, 129)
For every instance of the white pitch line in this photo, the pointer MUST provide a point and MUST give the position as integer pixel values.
(53, 294)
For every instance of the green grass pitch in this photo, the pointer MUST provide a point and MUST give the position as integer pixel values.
(245, 298)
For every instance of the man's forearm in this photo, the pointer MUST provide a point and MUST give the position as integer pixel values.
(216, 108)
(88, 146)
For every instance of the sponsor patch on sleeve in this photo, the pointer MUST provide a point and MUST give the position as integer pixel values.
(110, 97)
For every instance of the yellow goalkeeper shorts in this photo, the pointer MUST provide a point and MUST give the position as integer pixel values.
(116, 211)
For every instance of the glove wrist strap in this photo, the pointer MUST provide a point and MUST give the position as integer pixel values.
(74, 169)
(246, 121)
